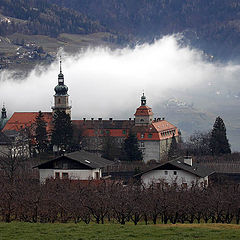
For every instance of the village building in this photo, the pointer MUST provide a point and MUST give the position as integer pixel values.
(154, 134)
(80, 165)
(181, 171)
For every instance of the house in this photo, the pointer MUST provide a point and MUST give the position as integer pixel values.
(80, 165)
(154, 134)
(182, 171)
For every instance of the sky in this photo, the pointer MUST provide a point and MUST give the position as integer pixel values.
(109, 83)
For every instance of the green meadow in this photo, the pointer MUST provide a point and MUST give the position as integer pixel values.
(58, 231)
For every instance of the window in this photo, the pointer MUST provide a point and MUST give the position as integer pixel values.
(142, 135)
(166, 172)
(107, 131)
(142, 144)
(175, 172)
(96, 175)
(64, 175)
(124, 132)
(57, 175)
(59, 101)
(149, 135)
(141, 120)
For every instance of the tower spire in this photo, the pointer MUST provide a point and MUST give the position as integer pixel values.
(143, 100)
(60, 64)
(4, 112)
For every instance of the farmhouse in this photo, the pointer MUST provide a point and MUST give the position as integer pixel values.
(182, 171)
(80, 165)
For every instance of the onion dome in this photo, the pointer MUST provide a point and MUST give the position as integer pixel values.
(61, 89)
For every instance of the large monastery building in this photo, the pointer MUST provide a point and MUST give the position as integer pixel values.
(154, 134)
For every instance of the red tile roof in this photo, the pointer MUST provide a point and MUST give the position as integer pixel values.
(156, 131)
(20, 120)
(144, 111)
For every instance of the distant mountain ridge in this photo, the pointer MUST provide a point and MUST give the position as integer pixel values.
(212, 26)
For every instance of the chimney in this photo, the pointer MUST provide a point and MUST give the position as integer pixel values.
(188, 160)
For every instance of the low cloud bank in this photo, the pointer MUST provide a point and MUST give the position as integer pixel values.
(106, 83)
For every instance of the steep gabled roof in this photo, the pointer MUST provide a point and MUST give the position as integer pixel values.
(179, 164)
(20, 120)
(88, 159)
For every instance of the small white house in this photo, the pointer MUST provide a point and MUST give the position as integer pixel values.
(80, 165)
(182, 171)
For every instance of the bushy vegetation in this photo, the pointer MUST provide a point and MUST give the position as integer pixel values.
(24, 199)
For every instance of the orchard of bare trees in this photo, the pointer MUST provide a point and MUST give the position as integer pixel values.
(24, 199)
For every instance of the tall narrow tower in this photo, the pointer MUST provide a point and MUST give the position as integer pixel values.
(61, 97)
(144, 114)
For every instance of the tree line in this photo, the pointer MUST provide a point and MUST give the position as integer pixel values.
(24, 199)
(41, 17)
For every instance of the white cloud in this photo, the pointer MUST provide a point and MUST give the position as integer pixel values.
(105, 83)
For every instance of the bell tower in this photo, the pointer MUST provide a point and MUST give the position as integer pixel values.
(144, 114)
(61, 97)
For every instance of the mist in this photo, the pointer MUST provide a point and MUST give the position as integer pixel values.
(109, 83)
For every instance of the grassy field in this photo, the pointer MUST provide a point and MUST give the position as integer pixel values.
(27, 231)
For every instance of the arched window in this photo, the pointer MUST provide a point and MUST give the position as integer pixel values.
(59, 100)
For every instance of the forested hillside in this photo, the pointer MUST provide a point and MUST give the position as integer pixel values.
(210, 25)
(42, 17)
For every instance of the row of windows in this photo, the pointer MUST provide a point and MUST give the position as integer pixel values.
(108, 132)
(168, 133)
(149, 135)
(174, 172)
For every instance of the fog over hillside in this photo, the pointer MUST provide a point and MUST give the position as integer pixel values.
(105, 83)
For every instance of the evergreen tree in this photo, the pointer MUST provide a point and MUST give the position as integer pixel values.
(41, 133)
(130, 149)
(173, 150)
(110, 148)
(218, 142)
(62, 134)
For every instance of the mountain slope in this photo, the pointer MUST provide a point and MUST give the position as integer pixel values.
(212, 25)
(42, 17)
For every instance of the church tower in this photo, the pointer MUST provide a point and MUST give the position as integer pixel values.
(3, 119)
(144, 114)
(61, 97)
